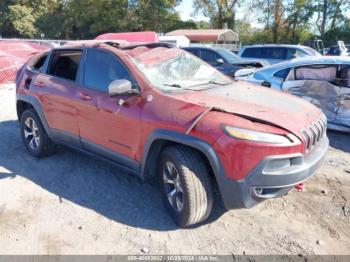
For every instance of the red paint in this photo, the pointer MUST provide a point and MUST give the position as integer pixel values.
(125, 129)
(139, 37)
(13, 54)
(300, 187)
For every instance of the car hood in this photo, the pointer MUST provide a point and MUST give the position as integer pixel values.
(257, 103)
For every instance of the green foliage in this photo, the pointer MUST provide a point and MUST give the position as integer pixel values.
(284, 21)
(84, 19)
(18, 19)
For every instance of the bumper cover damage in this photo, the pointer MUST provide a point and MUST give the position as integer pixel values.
(263, 182)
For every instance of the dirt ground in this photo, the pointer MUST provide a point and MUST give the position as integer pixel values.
(70, 203)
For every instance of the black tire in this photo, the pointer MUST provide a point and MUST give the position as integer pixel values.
(194, 176)
(44, 146)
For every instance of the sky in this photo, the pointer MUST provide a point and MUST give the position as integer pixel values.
(185, 10)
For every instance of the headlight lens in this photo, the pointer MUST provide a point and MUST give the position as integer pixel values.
(251, 135)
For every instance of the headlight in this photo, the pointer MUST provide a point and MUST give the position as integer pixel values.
(251, 135)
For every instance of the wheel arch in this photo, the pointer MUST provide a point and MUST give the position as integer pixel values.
(159, 139)
(24, 101)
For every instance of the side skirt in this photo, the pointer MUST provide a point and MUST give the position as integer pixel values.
(126, 164)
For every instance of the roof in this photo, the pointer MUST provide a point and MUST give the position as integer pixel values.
(149, 36)
(310, 60)
(91, 43)
(207, 47)
(275, 45)
(225, 35)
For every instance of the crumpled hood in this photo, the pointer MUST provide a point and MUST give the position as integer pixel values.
(283, 110)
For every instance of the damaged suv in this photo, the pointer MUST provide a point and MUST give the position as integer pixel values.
(160, 112)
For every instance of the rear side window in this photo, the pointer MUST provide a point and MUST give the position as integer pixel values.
(252, 52)
(64, 64)
(276, 53)
(39, 62)
(101, 68)
(282, 73)
(265, 52)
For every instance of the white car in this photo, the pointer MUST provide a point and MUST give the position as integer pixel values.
(324, 81)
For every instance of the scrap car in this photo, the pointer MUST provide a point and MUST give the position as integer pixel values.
(161, 113)
(323, 81)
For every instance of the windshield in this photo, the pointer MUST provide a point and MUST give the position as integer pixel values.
(229, 56)
(170, 69)
(311, 51)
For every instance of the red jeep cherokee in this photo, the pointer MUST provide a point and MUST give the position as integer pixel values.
(159, 111)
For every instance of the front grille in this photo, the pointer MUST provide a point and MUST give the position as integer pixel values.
(314, 133)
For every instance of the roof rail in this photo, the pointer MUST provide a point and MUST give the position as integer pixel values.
(149, 45)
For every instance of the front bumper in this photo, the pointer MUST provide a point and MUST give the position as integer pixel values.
(261, 184)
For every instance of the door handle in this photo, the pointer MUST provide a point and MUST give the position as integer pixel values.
(27, 83)
(39, 84)
(84, 97)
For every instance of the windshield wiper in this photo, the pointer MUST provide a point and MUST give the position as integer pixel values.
(211, 82)
(173, 85)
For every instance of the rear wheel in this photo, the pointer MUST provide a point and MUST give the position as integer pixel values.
(185, 185)
(34, 135)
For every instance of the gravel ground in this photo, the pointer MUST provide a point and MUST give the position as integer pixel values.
(73, 204)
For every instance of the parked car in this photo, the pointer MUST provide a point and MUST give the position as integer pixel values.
(160, 112)
(277, 53)
(324, 81)
(222, 59)
(335, 50)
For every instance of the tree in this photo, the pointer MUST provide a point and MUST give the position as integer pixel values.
(17, 19)
(221, 12)
(155, 15)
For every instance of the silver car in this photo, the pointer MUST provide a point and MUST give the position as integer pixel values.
(273, 53)
(324, 81)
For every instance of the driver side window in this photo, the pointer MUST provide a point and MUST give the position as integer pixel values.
(102, 68)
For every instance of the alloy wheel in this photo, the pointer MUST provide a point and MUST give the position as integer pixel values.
(173, 187)
(31, 133)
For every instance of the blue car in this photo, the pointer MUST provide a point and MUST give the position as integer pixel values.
(222, 59)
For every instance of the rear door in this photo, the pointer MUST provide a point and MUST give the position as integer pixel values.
(56, 88)
(109, 126)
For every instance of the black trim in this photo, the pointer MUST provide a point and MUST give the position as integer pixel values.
(149, 45)
(66, 138)
(36, 104)
(200, 145)
(111, 155)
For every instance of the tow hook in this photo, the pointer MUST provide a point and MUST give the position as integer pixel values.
(300, 187)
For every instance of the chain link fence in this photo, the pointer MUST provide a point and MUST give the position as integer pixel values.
(15, 52)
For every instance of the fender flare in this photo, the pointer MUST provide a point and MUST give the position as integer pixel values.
(191, 141)
(37, 107)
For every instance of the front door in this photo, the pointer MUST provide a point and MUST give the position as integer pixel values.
(109, 126)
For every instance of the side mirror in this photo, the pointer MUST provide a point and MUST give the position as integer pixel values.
(244, 72)
(266, 84)
(120, 87)
(220, 61)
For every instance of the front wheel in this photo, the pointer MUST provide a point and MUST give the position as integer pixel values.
(186, 186)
